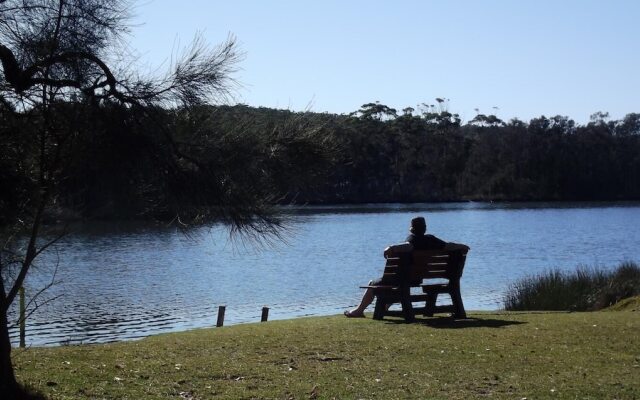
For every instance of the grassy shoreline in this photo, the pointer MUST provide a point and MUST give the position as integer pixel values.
(495, 354)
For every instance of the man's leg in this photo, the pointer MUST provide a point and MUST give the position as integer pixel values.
(367, 298)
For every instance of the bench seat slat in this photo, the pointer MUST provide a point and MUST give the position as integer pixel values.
(380, 287)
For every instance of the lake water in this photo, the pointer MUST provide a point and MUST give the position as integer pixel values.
(125, 281)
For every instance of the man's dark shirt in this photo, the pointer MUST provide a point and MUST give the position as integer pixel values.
(425, 242)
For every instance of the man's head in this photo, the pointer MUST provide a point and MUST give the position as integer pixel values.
(418, 226)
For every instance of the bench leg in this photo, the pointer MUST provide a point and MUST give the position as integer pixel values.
(430, 305)
(456, 299)
(380, 309)
(407, 309)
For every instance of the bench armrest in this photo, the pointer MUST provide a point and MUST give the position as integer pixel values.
(456, 246)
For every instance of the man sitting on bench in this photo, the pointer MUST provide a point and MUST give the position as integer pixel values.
(417, 240)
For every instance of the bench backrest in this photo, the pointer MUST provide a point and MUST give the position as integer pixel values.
(430, 264)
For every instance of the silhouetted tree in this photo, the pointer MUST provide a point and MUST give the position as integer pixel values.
(72, 108)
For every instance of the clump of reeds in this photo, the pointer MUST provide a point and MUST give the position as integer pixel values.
(585, 289)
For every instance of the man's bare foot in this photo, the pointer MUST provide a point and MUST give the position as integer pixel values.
(353, 314)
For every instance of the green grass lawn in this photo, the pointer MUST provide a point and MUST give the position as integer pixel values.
(493, 355)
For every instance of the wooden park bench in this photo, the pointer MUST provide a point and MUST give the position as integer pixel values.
(419, 269)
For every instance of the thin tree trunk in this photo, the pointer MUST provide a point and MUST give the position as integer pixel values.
(8, 385)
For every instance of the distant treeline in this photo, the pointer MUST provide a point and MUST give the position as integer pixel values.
(376, 154)
(386, 156)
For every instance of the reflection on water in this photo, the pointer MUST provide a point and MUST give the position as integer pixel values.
(126, 280)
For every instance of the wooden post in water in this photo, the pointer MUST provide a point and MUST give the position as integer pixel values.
(220, 316)
(22, 318)
(265, 314)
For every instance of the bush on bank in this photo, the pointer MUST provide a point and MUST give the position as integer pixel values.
(585, 289)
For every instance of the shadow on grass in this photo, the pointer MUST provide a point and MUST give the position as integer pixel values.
(25, 392)
(451, 323)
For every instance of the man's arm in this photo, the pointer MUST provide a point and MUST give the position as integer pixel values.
(397, 249)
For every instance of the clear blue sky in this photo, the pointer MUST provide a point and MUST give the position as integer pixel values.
(526, 57)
